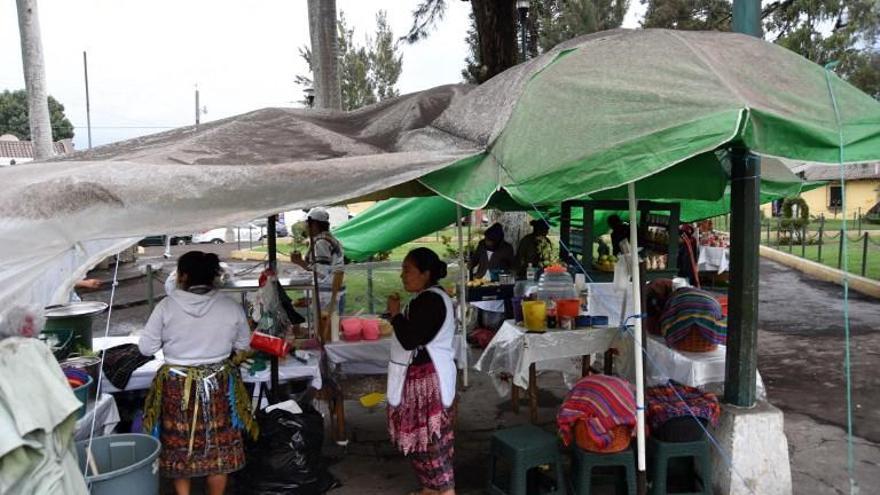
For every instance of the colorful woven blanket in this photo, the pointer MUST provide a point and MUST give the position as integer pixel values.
(690, 309)
(671, 401)
(602, 402)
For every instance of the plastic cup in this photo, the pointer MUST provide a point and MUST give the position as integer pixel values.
(535, 315)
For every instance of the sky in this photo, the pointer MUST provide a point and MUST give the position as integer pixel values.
(147, 57)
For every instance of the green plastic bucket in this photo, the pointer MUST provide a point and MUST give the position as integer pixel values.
(82, 394)
(127, 464)
(74, 317)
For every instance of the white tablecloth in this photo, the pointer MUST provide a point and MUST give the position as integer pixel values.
(713, 259)
(368, 357)
(512, 351)
(106, 421)
(697, 369)
(288, 369)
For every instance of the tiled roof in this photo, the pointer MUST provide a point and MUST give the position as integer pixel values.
(25, 149)
(852, 172)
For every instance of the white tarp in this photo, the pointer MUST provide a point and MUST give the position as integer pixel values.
(58, 218)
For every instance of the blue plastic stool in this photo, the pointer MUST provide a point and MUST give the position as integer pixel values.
(583, 463)
(524, 447)
(660, 452)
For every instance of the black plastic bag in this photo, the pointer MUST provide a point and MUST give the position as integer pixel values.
(286, 458)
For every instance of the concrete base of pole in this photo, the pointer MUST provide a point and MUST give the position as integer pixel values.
(755, 441)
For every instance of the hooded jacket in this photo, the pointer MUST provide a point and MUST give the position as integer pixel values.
(193, 329)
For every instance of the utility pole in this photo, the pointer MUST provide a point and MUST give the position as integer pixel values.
(88, 106)
(35, 78)
(198, 111)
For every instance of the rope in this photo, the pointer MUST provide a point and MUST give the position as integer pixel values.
(724, 454)
(101, 366)
(850, 457)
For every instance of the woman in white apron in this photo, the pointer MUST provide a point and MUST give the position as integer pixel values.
(421, 374)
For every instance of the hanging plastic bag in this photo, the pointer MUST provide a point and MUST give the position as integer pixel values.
(622, 274)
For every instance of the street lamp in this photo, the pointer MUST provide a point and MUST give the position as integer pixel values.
(309, 93)
(522, 6)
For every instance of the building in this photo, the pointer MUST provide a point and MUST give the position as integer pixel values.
(14, 151)
(862, 184)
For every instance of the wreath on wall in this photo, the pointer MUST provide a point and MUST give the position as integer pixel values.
(788, 218)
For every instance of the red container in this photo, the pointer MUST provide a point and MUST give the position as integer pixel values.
(722, 300)
(570, 308)
(274, 346)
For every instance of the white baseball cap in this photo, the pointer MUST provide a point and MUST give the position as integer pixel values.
(319, 214)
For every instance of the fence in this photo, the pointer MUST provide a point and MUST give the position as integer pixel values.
(822, 241)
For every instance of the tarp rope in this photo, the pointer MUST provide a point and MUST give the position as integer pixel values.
(847, 363)
(88, 452)
(625, 326)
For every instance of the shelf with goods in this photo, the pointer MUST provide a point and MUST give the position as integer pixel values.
(658, 234)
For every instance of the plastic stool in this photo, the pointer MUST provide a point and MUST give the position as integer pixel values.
(524, 447)
(660, 453)
(584, 462)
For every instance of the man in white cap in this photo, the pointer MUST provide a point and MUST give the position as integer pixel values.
(328, 261)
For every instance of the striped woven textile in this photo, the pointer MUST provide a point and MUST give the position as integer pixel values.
(690, 308)
(602, 402)
(676, 400)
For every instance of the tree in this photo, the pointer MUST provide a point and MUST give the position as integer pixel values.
(40, 130)
(549, 23)
(14, 116)
(820, 30)
(322, 31)
(368, 72)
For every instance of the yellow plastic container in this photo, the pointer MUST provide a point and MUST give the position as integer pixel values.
(535, 315)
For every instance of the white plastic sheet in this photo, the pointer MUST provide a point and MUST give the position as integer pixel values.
(714, 259)
(512, 351)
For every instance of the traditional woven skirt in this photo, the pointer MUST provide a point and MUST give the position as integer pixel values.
(198, 413)
(423, 429)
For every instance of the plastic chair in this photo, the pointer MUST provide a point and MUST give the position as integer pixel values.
(661, 452)
(524, 448)
(583, 463)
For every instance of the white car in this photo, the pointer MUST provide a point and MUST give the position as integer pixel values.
(243, 233)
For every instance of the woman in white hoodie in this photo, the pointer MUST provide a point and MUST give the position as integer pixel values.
(197, 405)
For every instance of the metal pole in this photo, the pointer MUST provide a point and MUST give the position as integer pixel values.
(88, 105)
(860, 220)
(840, 250)
(462, 295)
(273, 265)
(821, 239)
(742, 344)
(865, 254)
(637, 331)
(151, 301)
(370, 305)
(522, 24)
(768, 232)
(747, 17)
(803, 242)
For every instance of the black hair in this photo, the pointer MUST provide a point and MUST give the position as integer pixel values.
(540, 225)
(322, 226)
(614, 220)
(200, 268)
(427, 260)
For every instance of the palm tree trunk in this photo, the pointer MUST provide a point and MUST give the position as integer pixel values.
(325, 57)
(35, 78)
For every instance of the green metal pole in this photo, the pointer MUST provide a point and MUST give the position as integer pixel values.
(151, 300)
(865, 254)
(803, 242)
(745, 236)
(840, 250)
(747, 17)
(821, 239)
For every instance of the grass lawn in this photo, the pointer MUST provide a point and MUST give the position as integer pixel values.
(831, 251)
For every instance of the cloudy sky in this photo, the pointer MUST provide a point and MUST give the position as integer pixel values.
(146, 57)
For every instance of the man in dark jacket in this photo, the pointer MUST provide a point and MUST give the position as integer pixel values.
(492, 253)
